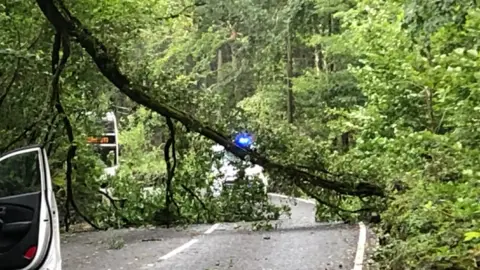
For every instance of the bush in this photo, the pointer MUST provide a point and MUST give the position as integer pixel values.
(431, 227)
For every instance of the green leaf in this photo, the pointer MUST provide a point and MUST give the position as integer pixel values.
(473, 52)
(459, 51)
(471, 235)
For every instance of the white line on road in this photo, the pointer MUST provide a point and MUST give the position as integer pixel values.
(360, 246)
(211, 229)
(188, 244)
(362, 239)
(362, 236)
(178, 250)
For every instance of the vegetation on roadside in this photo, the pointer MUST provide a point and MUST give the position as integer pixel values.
(371, 107)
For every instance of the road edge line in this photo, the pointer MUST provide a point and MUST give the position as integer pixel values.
(362, 234)
(362, 239)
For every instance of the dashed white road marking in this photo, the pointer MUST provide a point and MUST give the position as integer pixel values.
(211, 229)
(178, 250)
(362, 236)
(188, 244)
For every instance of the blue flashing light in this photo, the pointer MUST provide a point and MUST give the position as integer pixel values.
(244, 140)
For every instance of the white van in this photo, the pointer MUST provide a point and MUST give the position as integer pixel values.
(29, 225)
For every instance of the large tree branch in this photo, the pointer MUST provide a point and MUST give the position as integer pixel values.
(61, 18)
(170, 145)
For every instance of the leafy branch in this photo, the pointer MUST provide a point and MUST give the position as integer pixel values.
(60, 16)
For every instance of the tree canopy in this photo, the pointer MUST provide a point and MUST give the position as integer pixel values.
(370, 107)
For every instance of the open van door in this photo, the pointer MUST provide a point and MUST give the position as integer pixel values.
(29, 225)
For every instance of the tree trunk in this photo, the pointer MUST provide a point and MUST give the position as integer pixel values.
(219, 65)
(289, 69)
(429, 109)
(236, 95)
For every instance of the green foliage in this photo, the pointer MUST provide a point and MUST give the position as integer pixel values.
(246, 201)
(432, 223)
(420, 99)
(139, 185)
(383, 90)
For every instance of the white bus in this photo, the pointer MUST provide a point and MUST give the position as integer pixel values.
(106, 145)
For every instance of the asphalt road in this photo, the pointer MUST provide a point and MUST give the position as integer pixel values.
(296, 244)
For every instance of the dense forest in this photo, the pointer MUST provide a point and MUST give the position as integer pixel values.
(371, 107)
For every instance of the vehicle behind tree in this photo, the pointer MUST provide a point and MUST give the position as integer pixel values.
(233, 170)
(106, 144)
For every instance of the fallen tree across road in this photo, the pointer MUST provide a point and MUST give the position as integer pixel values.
(63, 21)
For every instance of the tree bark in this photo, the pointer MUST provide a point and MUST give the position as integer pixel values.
(219, 65)
(289, 71)
(61, 18)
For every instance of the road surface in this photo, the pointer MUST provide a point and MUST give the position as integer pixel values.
(296, 244)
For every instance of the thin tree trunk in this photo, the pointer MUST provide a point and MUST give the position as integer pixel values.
(429, 109)
(236, 94)
(219, 65)
(289, 67)
(318, 59)
(331, 66)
